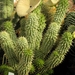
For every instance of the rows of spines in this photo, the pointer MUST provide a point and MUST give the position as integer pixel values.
(58, 55)
(22, 45)
(1, 4)
(61, 11)
(69, 20)
(42, 24)
(6, 8)
(8, 46)
(25, 57)
(8, 27)
(29, 29)
(50, 37)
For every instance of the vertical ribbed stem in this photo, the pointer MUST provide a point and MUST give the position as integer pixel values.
(25, 57)
(8, 47)
(59, 53)
(29, 29)
(51, 36)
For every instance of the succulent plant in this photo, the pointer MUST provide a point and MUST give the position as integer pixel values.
(39, 46)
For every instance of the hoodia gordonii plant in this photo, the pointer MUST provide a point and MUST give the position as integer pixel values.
(53, 29)
(25, 57)
(6, 9)
(38, 46)
(30, 29)
(59, 53)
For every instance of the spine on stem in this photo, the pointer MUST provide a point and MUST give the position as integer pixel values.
(51, 35)
(6, 9)
(25, 57)
(8, 47)
(29, 29)
(58, 55)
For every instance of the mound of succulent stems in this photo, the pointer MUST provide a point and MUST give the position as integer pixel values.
(38, 42)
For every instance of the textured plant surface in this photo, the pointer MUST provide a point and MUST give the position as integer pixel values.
(37, 42)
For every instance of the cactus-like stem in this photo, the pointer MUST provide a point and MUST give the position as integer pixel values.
(51, 35)
(38, 36)
(69, 20)
(59, 53)
(21, 43)
(29, 29)
(41, 18)
(25, 57)
(8, 47)
(9, 28)
(42, 25)
(61, 10)
(24, 65)
(49, 39)
(6, 8)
